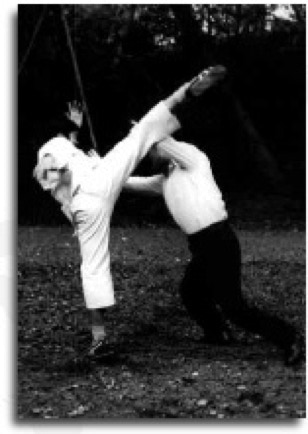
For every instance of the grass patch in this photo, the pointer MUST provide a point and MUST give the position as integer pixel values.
(162, 370)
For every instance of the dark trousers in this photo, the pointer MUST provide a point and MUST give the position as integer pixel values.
(211, 287)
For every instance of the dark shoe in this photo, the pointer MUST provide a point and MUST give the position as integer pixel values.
(100, 349)
(206, 79)
(196, 96)
(294, 354)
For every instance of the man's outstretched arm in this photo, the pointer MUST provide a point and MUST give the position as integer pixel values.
(187, 156)
(149, 185)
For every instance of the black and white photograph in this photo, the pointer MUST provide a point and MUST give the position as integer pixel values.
(161, 197)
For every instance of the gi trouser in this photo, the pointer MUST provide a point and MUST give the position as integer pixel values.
(94, 199)
(212, 286)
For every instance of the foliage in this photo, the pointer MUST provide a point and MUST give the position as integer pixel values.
(130, 56)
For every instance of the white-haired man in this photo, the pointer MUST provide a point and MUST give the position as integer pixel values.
(88, 188)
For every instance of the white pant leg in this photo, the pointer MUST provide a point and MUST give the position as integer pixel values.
(92, 221)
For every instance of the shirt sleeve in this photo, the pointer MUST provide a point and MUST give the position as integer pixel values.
(143, 184)
(185, 155)
(120, 162)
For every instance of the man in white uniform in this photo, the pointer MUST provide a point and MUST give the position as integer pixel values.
(88, 188)
(211, 288)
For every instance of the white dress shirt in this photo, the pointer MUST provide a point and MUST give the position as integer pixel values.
(189, 190)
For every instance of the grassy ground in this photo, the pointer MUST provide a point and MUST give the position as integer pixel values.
(162, 370)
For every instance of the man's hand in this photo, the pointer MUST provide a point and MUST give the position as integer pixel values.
(75, 112)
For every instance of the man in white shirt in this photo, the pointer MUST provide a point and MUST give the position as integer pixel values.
(211, 288)
(88, 188)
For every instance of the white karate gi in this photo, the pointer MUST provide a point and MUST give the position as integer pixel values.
(96, 185)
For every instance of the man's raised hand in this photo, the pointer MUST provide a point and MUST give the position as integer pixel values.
(75, 112)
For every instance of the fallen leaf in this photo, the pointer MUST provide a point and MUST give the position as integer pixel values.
(202, 402)
(79, 411)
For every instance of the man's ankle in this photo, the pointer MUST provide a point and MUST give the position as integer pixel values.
(98, 332)
(177, 98)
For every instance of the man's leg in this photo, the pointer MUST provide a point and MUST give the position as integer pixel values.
(91, 225)
(99, 346)
(270, 327)
(183, 99)
(229, 296)
(98, 323)
(195, 291)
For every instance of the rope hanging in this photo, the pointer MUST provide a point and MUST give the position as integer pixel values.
(78, 76)
(36, 30)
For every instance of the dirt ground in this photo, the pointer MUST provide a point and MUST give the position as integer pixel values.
(161, 368)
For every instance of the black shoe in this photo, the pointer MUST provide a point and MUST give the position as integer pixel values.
(294, 353)
(100, 349)
(197, 96)
(206, 79)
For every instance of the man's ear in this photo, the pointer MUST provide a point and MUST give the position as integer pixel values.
(35, 172)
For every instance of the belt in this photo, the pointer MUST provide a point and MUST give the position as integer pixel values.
(201, 238)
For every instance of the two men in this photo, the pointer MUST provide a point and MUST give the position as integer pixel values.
(88, 188)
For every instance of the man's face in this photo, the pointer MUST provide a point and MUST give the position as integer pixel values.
(48, 176)
(51, 179)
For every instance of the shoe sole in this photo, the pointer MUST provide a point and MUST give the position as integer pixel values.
(206, 79)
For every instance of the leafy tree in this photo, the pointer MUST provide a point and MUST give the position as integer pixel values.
(131, 55)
